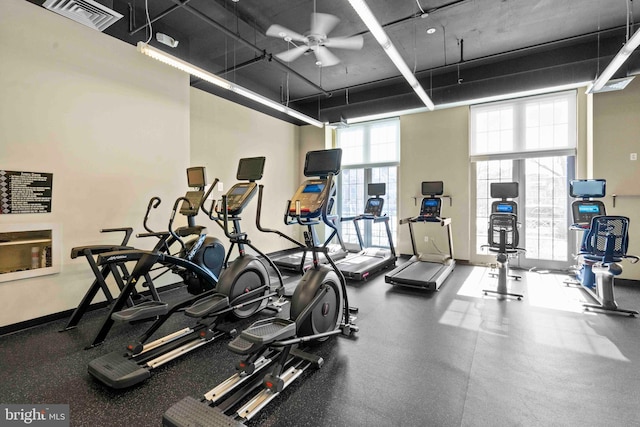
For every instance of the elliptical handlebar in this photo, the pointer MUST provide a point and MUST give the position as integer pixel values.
(269, 230)
(127, 233)
(153, 203)
(225, 222)
(326, 217)
(173, 215)
(213, 203)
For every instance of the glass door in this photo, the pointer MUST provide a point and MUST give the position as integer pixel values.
(543, 209)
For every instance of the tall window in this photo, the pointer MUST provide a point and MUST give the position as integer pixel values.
(531, 141)
(370, 154)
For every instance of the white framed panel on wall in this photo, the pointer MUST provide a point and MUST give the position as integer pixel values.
(29, 250)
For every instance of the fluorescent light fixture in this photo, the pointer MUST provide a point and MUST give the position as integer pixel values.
(219, 81)
(258, 98)
(381, 36)
(616, 63)
(615, 84)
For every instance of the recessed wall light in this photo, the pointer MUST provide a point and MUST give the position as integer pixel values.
(431, 30)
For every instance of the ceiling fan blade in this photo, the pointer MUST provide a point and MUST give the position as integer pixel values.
(292, 54)
(323, 23)
(354, 42)
(283, 33)
(325, 57)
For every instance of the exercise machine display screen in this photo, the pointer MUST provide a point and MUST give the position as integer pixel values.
(430, 207)
(504, 208)
(239, 196)
(195, 197)
(313, 188)
(311, 195)
(196, 177)
(250, 169)
(374, 206)
(323, 162)
(377, 189)
(432, 188)
(504, 190)
(584, 210)
(588, 209)
(587, 188)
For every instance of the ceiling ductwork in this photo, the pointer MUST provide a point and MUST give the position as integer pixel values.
(86, 12)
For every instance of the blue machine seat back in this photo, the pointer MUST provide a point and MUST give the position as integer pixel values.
(607, 239)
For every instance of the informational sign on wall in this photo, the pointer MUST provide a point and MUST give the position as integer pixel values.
(25, 192)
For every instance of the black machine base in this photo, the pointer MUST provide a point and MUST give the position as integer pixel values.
(193, 412)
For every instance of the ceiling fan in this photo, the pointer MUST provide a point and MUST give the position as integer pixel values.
(316, 40)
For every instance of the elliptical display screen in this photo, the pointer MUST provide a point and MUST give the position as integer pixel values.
(323, 162)
(196, 177)
(250, 169)
(313, 188)
(239, 191)
(587, 188)
(430, 203)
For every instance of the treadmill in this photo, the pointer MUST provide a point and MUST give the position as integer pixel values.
(369, 260)
(426, 271)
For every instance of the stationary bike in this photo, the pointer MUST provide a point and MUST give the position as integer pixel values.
(244, 288)
(319, 309)
(503, 234)
(604, 244)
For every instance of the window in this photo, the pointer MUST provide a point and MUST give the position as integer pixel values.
(370, 154)
(530, 141)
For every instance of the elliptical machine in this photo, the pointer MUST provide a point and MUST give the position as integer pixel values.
(319, 309)
(206, 251)
(244, 289)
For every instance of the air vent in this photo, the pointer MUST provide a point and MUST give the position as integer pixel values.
(86, 12)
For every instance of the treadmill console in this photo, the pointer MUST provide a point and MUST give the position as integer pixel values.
(239, 196)
(430, 209)
(374, 207)
(311, 194)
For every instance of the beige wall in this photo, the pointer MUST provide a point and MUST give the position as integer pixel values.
(435, 147)
(110, 124)
(221, 134)
(616, 134)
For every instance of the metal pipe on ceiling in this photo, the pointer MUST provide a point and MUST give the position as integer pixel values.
(236, 67)
(247, 43)
(469, 62)
(161, 15)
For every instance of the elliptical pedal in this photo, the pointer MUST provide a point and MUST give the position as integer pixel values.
(193, 412)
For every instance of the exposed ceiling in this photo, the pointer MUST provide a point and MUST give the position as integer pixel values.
(479, 48)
